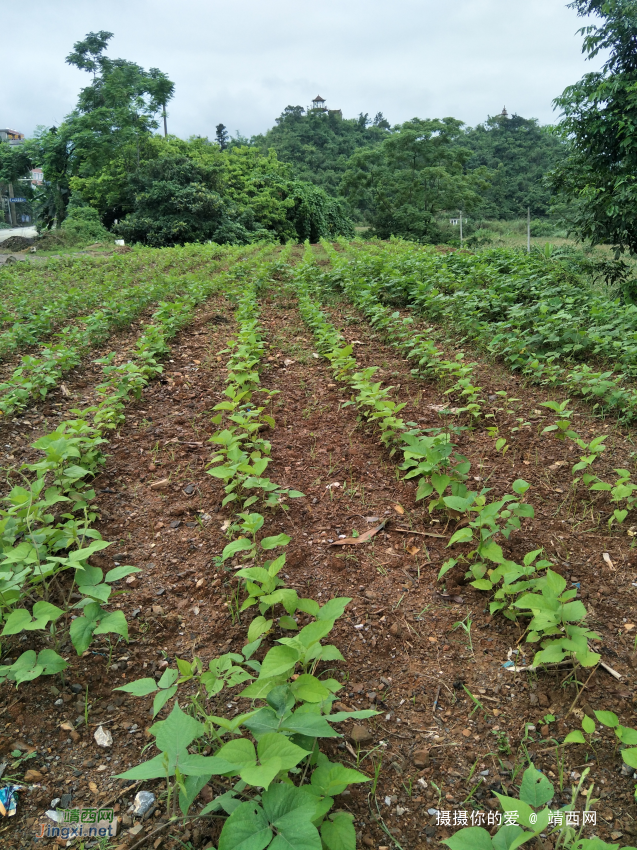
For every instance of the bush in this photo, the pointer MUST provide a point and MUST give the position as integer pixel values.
(82, 226)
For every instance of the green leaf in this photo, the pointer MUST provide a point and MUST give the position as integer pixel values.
(575, 737)
(279, 661)
(482, 584)
(510, 837)
(287, 622)
(290, 811)
(161, 698)
(470, 838)
(313, 632)
(520, 486)
(239, 545)
(308, 606)
(168, 677)
(338, 832)
(81, 633)
(491, 551)
(312, 725)
(139, 688)
(588, 724)
(17, 621)
(261, 775)
(273, 542)
(239, 753)
(309, 689)
(154, 768)
(177, 732)
(113, 623)
(193, 785)
(630, 757)
(259, 626)
(331, 778)
(607, 718)
(457, 503)
(247, 828)
(463, 535)
(118, 573)
(510, 804)
(448, 565)
(51, 662)
(536, 790)
(274, 744)
(334, 608)
(627, 736)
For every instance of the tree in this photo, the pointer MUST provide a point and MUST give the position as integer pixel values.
(222, 137)
(114, 117)
(599, 122)
(192, 192)
(519, 153)
(177, 201)
(318, 145)
(401, 185)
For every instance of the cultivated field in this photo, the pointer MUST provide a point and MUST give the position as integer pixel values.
(335, 541)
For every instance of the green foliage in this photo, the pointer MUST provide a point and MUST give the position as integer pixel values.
(540, 313)
(401, 185)
(114, 116)
(193, 192)
(528, 819)
(318, 144)
(518, 153)
(82, 226)
(598, 122)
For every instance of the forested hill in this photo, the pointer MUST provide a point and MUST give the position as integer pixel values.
(319, 144)
(517, 152)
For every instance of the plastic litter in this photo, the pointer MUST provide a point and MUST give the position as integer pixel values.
(9, 800)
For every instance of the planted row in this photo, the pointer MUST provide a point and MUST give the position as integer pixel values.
(41, 547)
(535, 313)
(38, 375)
(269, 775)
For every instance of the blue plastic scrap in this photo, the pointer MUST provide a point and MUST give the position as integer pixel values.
(9, 800)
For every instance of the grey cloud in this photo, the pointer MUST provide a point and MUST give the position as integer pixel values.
(241, 63)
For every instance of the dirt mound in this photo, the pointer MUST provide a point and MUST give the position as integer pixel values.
(16, 243)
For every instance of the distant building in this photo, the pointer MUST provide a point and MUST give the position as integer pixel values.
(37, 176)
(318, 105)
(14, 137)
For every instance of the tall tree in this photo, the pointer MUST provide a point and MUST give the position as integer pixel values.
(222, 137)
(600, 124)
(115, 116)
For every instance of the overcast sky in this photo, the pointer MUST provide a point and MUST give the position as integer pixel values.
(242, 62)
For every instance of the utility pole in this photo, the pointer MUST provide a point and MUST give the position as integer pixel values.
(528, 230)
(165, 122)
(12, 212)
(461, 228)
